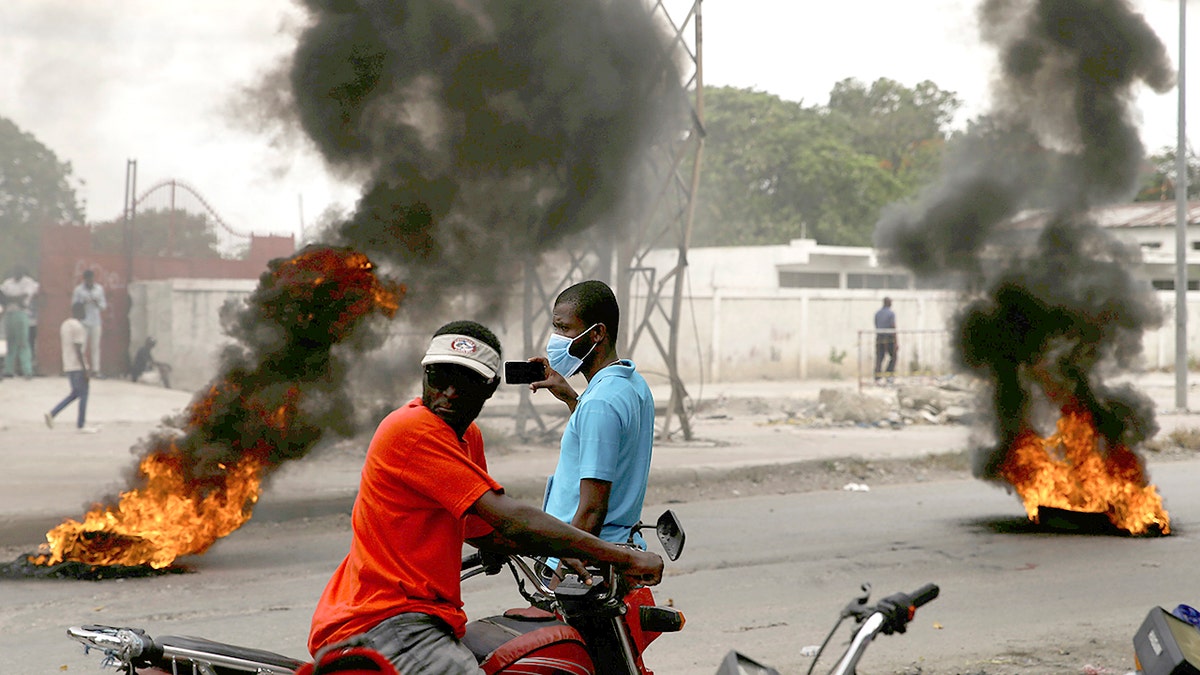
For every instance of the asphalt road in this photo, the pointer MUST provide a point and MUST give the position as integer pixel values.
(1014, 599)
(765, 575)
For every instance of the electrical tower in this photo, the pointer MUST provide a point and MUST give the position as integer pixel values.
(650, 303)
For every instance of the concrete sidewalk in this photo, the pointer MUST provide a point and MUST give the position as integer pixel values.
(56, 473)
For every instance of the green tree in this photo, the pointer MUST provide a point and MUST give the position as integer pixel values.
(35, 190)
(162, 233)
(904, 128)
(776, 170)
(1160, 170)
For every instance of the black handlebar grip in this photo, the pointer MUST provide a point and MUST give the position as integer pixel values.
(923, 595)
(472, 560)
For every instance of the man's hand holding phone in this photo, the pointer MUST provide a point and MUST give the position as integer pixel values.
(546, 378)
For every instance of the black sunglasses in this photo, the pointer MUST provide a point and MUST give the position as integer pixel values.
(444, 375)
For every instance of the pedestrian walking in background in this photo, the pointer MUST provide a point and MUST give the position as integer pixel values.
(18, 290)
(75, 365)
(886, 342)
(91, 295)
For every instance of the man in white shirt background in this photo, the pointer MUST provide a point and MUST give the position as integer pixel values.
(18, 291)
(91, 295)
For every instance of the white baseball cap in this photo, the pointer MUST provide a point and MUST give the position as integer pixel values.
(464, 351)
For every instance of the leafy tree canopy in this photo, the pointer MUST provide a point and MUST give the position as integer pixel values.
(35, 190)
(904, 128)
(776, 170)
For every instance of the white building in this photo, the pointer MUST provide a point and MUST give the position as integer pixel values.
(1151, 226)
(801, 263)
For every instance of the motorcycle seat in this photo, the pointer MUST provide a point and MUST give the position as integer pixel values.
(527, 638)
(203, 646)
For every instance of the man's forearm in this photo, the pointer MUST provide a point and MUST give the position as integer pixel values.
(535, 532)
(567, 395)
(588, 521)
(496, 543)
(593, 505)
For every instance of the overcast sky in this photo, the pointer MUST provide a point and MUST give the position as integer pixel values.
(103, 82)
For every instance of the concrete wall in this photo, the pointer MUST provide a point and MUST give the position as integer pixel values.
(732, 336)
(725, 335)
(827, 334)
(183, 316)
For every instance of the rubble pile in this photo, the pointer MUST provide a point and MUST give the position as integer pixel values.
(949, 401)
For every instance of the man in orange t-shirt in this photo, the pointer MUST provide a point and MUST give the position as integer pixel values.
(424, 491)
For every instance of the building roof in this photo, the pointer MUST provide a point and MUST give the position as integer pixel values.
(1120, 216)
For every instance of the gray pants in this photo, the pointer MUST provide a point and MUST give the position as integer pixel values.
(420, 644)
(93, 346)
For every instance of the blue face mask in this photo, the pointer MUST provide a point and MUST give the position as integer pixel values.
(558, 352)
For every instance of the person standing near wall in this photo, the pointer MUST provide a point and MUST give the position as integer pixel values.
(886, 342)
(91, 295)
(18, 290)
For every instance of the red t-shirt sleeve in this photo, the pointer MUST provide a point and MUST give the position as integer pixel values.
(475, 526)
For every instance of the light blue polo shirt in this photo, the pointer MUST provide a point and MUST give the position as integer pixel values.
(609, 437)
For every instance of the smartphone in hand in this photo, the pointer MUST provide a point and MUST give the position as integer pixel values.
(523, 372)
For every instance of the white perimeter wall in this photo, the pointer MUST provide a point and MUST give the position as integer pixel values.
(725, 335)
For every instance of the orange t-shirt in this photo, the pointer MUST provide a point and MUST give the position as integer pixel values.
(408, 527)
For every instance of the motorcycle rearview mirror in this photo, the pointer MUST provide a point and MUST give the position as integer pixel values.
(670, 534)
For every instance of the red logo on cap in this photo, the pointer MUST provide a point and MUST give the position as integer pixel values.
(464, 345)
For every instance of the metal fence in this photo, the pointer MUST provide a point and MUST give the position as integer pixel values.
(922, 356)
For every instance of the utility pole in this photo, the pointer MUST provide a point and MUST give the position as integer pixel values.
(1181, 224)
(130, 216)
(676, 165)
(672, 172)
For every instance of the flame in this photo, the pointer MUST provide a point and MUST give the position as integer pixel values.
(166, 518)
(1069, 471)
(346, 277)
(184, 499)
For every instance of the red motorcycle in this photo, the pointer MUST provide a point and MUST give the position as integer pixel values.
(574, 628)
(602, 629)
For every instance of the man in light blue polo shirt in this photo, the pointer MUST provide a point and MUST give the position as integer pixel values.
(604, 458)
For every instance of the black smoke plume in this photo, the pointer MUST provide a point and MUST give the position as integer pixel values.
(484, 131)
(1054, 306)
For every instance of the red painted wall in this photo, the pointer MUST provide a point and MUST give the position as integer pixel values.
(67, 252)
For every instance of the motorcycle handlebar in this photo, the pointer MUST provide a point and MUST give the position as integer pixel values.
(605, 577)
(923, 595)
(899, 608)
(124, 644)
